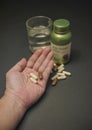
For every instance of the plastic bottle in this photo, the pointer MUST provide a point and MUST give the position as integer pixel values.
(61, 41)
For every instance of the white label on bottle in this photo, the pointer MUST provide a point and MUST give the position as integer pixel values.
(61, 53)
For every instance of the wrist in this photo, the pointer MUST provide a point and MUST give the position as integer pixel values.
(11, 110)
(15, 101)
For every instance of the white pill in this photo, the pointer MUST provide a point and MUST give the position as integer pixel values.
(61, 69)
(60, 74)
(33, 75)
(54, 77)
(62, 65)
(61, 77)
(33, 80)
(67, 73)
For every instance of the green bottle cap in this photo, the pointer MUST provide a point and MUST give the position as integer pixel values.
(61, 25)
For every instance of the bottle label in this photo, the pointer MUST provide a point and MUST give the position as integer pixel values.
(61, 53)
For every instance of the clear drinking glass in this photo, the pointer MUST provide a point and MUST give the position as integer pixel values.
(39, 30)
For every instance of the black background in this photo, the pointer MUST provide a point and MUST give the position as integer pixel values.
(68, 106)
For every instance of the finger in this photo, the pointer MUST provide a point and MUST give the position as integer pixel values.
(47, 71)
(41, 59)
(34, 58)
(46, 61)
(20, 65)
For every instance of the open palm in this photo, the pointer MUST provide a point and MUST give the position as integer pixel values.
(18, 78)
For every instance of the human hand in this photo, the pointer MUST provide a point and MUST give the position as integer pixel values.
(18, 82)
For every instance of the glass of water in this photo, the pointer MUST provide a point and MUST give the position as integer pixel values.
(39, 30)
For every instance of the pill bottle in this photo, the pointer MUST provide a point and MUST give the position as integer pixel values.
(61, 41)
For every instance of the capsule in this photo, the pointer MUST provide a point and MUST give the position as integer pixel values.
(55, 67)
(67, 73)
(62, 65)
(61, 69)
(40, 75)
(61, 74)
(62, 77)
(33, 80)
(54, 77)
(54, 82)
(34, 76)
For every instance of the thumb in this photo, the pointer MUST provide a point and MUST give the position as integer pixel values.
(20, 65)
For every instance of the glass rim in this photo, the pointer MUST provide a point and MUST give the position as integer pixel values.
(34, 17)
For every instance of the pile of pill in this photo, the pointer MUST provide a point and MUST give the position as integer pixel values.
(34, 78)
(60, 73)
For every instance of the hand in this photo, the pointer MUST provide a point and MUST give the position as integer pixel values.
(18, 82)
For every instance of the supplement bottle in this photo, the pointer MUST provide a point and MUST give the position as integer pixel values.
(61, 41)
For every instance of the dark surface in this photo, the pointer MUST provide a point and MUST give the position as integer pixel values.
(68, 106)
